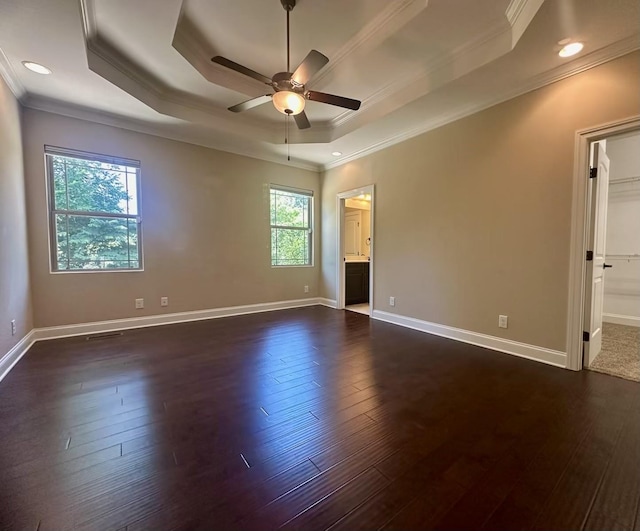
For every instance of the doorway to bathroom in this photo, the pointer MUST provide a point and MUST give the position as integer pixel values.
(355, 250)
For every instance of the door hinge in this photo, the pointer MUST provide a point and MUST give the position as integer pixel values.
(585, 336)
(593, 173)
(589, 256)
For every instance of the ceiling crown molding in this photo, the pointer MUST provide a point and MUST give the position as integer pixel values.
(192, 45)
(108, 62)
(520, 13)
(69, 110)
(473, 54)
(105, 60)
(10, 78)
(601, 56)
(388, 22)
(441, 70)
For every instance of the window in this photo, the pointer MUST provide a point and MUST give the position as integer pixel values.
(291, 227)
(93, 211)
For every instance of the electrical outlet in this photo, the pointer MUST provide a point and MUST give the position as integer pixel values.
(392, 301)
(306, 289)
(503, 321)
(164, 301)
(13, 327)
(139, 304)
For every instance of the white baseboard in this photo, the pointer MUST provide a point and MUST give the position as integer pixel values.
(552, 357)
(329, 303)
(12, 357)
(54, 332)
(523, 350)
(621, 319)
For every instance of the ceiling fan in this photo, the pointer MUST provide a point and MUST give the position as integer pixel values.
(290, 88)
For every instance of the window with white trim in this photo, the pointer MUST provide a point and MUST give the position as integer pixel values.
(291, 227)
(94, 211)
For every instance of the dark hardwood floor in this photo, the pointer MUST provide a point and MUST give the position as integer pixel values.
(310, 419)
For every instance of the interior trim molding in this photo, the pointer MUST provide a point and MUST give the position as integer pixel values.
(388, 22)
(9, 75)
(55, 332)
(131, 124)
(520, 13)
(627, 320)
(12, 357)
(441, 70)
(579, 230)
(522, 350)
(112, 65)
(609, 53)
(329, 303)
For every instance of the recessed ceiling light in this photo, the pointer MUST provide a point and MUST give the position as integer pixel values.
(336, 153)
(571, 49)
(35, 67)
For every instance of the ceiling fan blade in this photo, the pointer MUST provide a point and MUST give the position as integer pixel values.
(331, 99)
(302, 121)
(250, 104)
(241, 69)
(312, 64)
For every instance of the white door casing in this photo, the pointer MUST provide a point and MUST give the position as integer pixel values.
(580, 231)
(594, 289)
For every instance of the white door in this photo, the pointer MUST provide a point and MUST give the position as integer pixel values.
(594, 297)
(352, 233)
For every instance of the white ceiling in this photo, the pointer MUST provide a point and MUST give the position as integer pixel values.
(415, 64)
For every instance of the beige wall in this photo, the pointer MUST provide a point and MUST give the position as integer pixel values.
(205, 228)
(473, 219)
(15, 291)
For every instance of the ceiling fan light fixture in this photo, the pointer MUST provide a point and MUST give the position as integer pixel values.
(288, 102)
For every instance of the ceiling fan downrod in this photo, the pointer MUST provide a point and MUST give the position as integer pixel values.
(288, 7)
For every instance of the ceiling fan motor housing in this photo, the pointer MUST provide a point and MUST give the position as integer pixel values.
(283, 81)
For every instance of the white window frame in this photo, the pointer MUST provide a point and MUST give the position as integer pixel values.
(305, 193)
(53, 151)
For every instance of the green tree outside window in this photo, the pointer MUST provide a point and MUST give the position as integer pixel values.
(291, 231)
(94, 213)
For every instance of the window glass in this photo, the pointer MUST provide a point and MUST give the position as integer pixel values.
(291, 230)
(94, 212)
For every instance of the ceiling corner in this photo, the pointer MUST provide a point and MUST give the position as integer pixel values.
(11, 79)
(520, 13)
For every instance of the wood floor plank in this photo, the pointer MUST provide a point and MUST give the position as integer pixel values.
(570, 502)
(329, 509)
(616, 503)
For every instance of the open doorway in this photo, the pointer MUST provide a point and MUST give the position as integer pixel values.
(612, 284)
(355, 250)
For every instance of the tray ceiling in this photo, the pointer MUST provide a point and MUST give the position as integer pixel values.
(415, 64)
